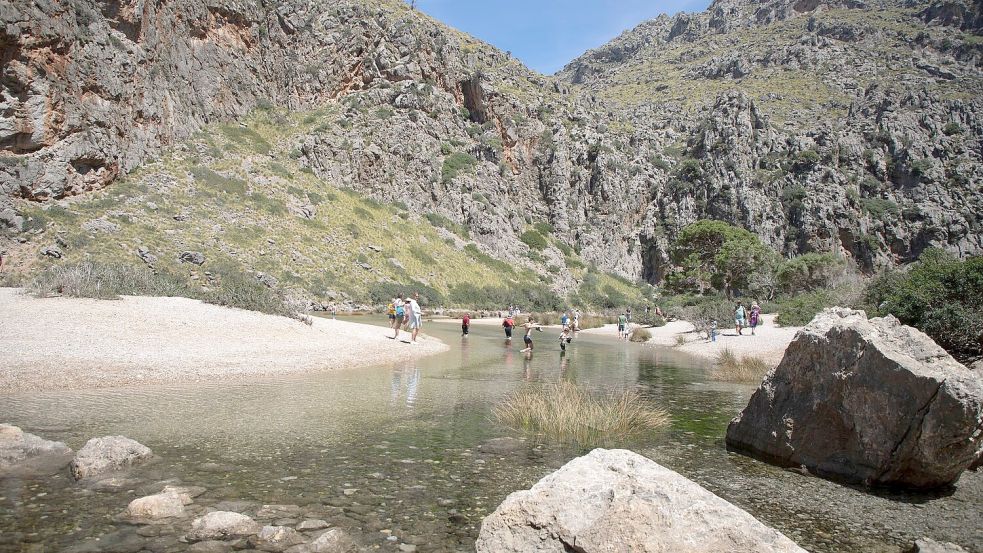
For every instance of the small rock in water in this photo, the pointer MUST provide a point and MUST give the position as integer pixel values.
(312, 524)
(350, 491)
(107, 454)
(222, 525)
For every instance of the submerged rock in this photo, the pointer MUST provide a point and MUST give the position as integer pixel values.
(24, 454)
(928, 545)
(275, 538)
(616, 500)
(334, 540)
(866, 401)
(161, 505)
(108, 454)
(168, 503)
(222, 525)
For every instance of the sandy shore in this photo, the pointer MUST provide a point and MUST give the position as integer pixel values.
(54, 343)
(768, 343)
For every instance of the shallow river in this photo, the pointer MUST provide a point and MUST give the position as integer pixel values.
(409, 454)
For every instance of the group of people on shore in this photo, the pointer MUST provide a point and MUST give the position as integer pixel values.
(744, 317)
(405, 313)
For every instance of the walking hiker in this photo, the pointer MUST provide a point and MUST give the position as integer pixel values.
(622, 326)
(755, 316)
(465, 324)
(739, 316)
(508, 324)
(713, 330)
(529, 326)
(564, 320)
(415, 315)
(399, 313)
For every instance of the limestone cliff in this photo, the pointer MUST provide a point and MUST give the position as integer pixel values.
(819, 125)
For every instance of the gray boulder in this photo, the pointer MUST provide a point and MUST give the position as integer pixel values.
(865, 401)
(928, 545)
(108, 454)
(275, 538)
(222, 525)
(24, 454)
(166, 504)
(197, 258)
(616, 500)
(334, 540)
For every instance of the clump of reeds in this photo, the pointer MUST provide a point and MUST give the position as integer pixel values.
(728, 367)
(640, 334)
(568, 413)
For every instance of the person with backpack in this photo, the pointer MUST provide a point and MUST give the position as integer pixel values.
(739, 317)
(465, 324)
(508, 324)
(399, 314)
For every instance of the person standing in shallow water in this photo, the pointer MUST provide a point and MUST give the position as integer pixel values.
(508, 324)
(465, 324)
(529, 326)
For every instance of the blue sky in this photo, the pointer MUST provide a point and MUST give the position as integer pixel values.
(547, 34)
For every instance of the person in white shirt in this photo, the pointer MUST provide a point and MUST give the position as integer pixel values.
(415, 313)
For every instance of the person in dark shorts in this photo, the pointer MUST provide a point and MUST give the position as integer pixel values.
(529, 325)
(466, 324)
(508, 324)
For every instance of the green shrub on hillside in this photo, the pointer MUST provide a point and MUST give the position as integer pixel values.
(808, 272)
(534, 240)
(439, 220)
(940, 295)
(213, 180)
(454, 164)
(381, 292)
(543, 228)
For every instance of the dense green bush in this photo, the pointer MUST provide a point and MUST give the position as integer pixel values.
(381, 292)
(798, 310)
(534, 240)
(808, 272)
(939, 295)
(230, 286)
(455, 164)
(713, 255)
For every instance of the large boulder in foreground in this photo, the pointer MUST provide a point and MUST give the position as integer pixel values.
(873, 402)
(24, 454)
(616, 500)
(108, 454)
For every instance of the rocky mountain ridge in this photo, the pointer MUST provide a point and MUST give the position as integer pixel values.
(821, 126)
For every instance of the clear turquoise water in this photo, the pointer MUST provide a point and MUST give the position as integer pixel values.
(421, 459)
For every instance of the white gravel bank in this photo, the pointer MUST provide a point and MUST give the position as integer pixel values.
(54, 343)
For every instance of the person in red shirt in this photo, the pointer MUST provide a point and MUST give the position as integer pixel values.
(466, 323)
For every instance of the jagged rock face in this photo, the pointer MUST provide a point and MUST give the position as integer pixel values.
(872, 402)
(879, 158)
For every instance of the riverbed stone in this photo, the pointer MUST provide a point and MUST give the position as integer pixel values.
(275, 538)
(151, 508)
(25, 454)
(928, 545)
(210, 546)
(312, 524)
(872, 402)
(222, 525)
(333, 540)
(617, 500)
(108, 454)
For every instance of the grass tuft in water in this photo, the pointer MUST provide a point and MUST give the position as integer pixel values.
(640, 335)
(729, 368)
(568, 413)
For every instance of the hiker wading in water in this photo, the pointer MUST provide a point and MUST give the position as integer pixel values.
(529, 325)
